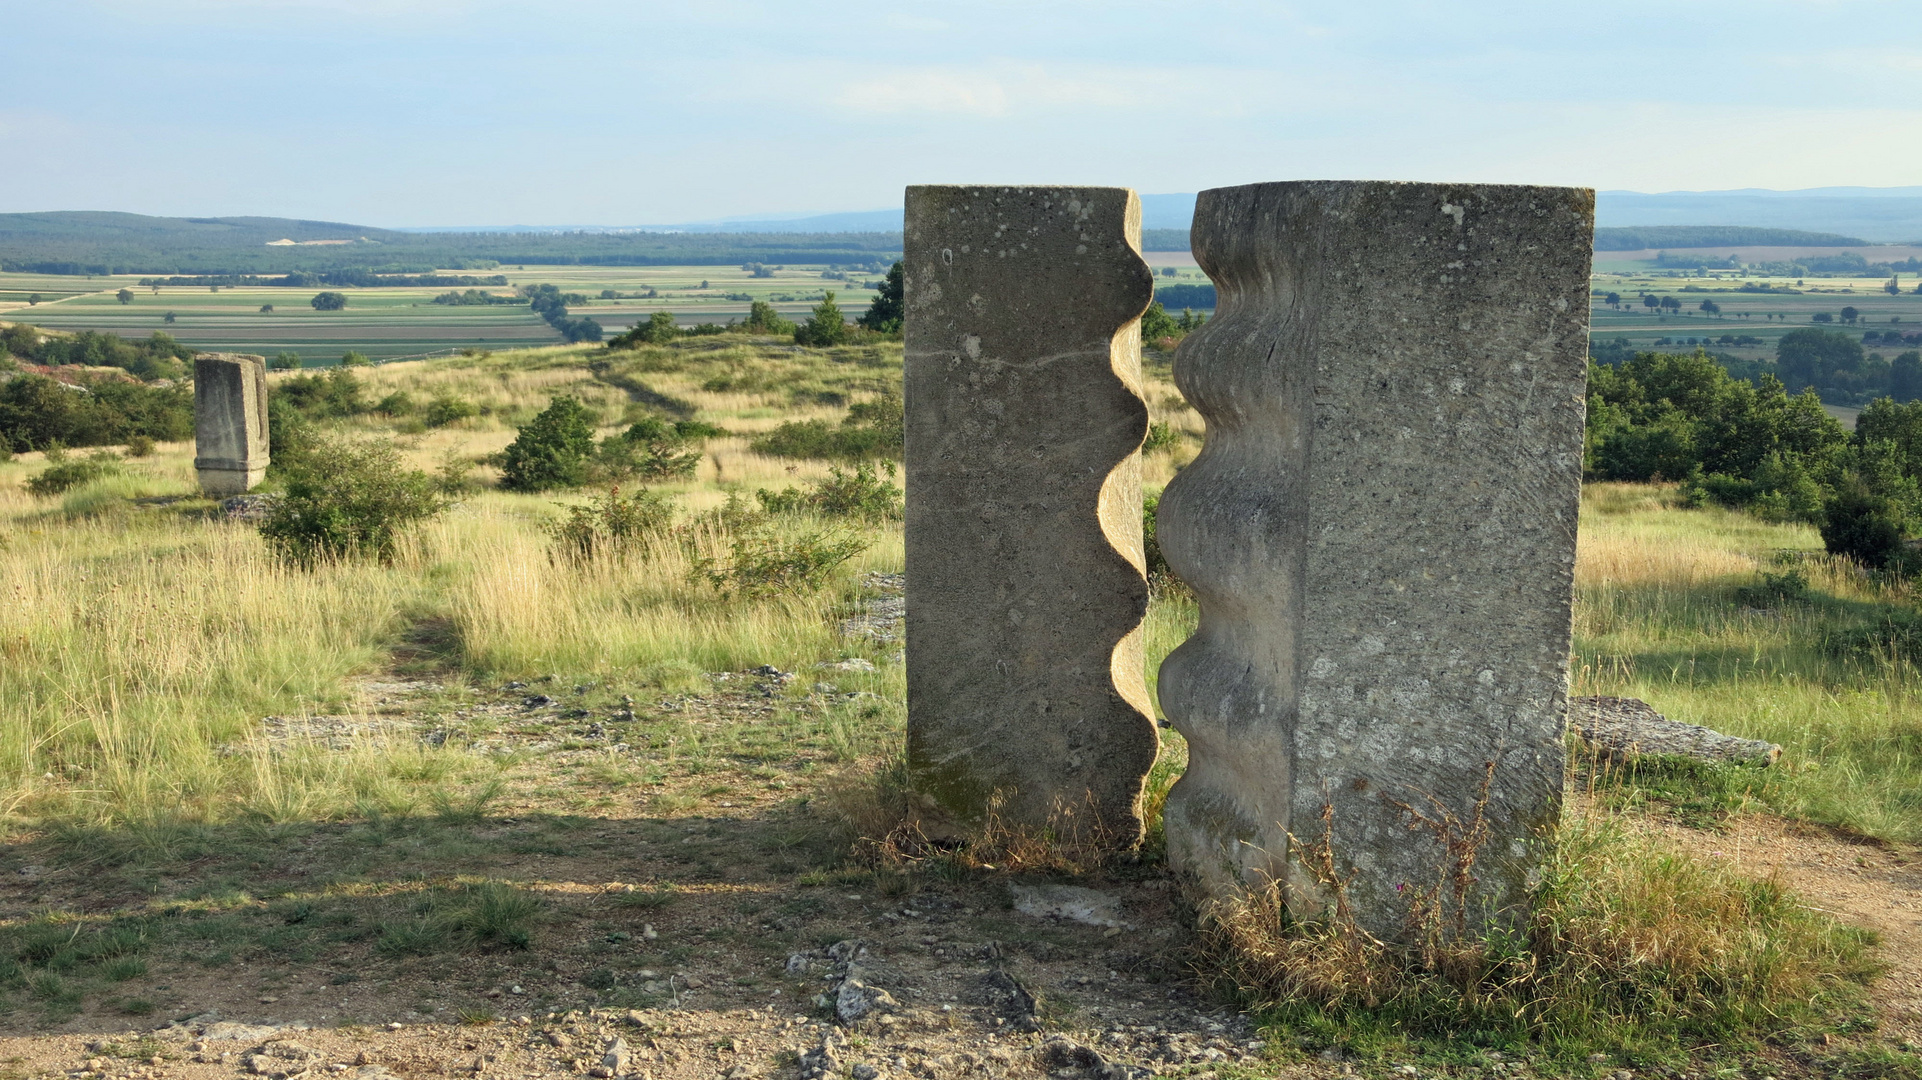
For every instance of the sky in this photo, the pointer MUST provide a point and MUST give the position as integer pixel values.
(400, 113)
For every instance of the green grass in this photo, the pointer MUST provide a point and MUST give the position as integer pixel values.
(1660, 616)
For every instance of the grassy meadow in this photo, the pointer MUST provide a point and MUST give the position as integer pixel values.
(145, 635)
(199, 729)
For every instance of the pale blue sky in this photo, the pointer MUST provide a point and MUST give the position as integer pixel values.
(434, 112)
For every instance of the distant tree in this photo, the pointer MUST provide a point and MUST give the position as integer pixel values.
(328, 301)
(168, 318)
(266, 309)
(1822, 317)
(285, 361)
(1669, 303)
(1613, 300)
(1849, 314)
(156, 290)
(1157, 324)
(888, 308)
(354, 359)
(1905, 377)
(1650, 301)
(1894, 285)
(33, 299)
(763, 319)
(1808, 357)
(824, 327)
(125, 296)
(1710, 307)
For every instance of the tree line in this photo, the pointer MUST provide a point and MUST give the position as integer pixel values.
(1755, 446)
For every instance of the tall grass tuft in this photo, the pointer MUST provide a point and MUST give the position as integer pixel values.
(1629, 947)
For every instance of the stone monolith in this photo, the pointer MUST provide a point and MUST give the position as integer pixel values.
(1027, 702)
(1381, 533)
(230, 422)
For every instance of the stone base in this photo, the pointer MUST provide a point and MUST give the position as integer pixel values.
(225, 482)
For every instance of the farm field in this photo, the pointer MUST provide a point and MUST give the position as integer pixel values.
(1761, 316)
(386, 323)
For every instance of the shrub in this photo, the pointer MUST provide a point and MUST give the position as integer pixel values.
(328, 301)
(763, 563)
(651, 449)
(447, 409)
(36, 412)
(611, 525)
(871, 429)
(139, 446)
(348, 500)
(1161, 436)
(1862, 525)
(551, 450)
(64, 477)
(858, 494)
(1151, 547)
(352, 358)
(398, 403)
(659, 329)
(325, 395)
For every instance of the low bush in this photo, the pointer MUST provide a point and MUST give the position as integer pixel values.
(763, 563)
(64, 477)
(862, 494)
(348, 500)
(447, 409)
(652, 449)
(871, 429)
(1161, 436)
(37, 412)
(611, 525)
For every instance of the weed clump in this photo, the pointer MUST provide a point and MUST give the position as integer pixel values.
(348, 500)
(486, 915)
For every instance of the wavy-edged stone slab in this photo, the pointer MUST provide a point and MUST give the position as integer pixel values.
(1027, 701)
(1623, 729)
(230, 422)
(1381, 533)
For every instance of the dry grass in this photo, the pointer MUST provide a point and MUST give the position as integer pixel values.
(1630, 947)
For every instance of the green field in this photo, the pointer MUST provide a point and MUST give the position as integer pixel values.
(1762, 316)
(388, 323)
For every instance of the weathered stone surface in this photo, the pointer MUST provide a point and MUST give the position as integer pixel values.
(1621, 729)
(1381, 533)
(230, 422)
(1026, 693)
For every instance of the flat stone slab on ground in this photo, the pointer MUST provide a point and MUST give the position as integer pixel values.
(1625, 728)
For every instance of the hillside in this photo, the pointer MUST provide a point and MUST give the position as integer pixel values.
(99, 242)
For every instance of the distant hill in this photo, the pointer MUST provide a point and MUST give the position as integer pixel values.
(82, 242)
(1879, 215)
(1650, 237)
